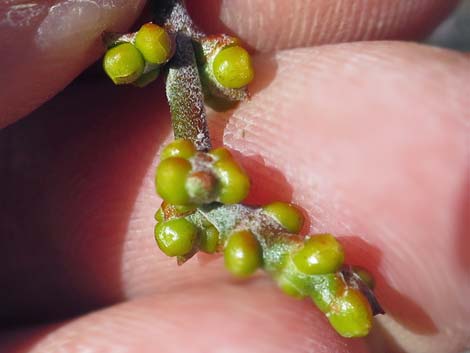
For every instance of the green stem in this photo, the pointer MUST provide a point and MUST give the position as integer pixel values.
(185, 96)
(183, 84)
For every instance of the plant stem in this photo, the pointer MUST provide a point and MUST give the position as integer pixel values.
(184, 93)
(183, 84)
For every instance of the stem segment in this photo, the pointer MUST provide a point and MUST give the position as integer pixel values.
(184, 93)
(183, 85)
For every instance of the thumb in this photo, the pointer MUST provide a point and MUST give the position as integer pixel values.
(48, 45)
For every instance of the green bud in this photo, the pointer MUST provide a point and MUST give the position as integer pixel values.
(209, 239)
(287, 215)
(176, 237)
(159, 215)
(233, 68)
(234, 182)
(154, 43)
(178, 148)
(170, 179)
(320, 254)
(123, 64)
(350, 314)
(243, 254)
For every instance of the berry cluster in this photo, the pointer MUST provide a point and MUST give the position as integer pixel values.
(137, 58)
(188, 177)
(202, 188)
(201, 212)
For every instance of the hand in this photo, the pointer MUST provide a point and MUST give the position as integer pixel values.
(370, 138)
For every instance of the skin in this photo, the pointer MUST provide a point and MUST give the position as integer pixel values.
(370, 139)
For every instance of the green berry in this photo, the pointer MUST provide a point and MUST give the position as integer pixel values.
(176, 237)
(287, 215)
(178, 148)
(123, 63)
(242, 254)
(170, 179)
(160, 215)
(209, 240)
(220, 153)
(233, 180)
(233, 68)
(320, 254)
(350, 314)
(326, 291)
(154, 43)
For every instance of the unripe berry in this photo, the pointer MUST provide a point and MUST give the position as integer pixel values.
(233, 180)
(123, 63)
(170, 179)
(178, 148)
(320, 254)
(160, 215)
(154, 43)
(287, 215)
(350, 314)
(233, 68)
(209, 240)
(176, 237)
(243, 254)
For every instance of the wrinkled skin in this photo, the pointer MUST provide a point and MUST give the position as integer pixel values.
(370, 138)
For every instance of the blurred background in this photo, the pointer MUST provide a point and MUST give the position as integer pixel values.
(455, 32)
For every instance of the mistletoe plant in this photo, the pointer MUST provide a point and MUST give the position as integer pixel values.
(203, 188)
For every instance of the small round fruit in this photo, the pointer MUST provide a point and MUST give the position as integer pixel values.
(176, 237)
(154, 43)
(209, 240)
(242, 254)
(287, 215)
(178, 148)
(233, 180)
(233, 68)
(170, 179)
(350, 314)
(160, 215)
(320, 254)
(123, 63)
